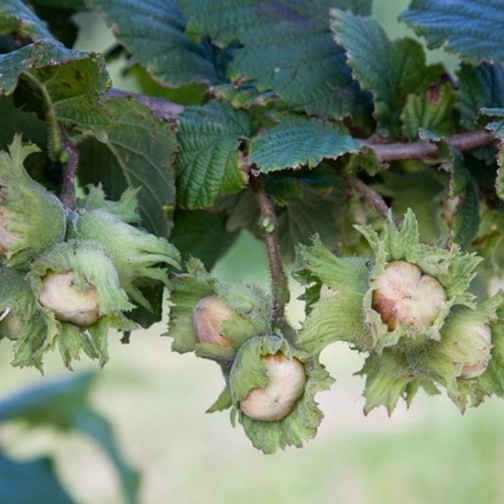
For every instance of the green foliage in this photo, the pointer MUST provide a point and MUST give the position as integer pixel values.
(297, 142)
(470, 29)
(301, 121)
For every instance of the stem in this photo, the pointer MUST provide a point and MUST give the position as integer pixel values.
(60, 147)
(269, 229)
(372, 198)
(55, 142)
(421, 150)
(68, 196)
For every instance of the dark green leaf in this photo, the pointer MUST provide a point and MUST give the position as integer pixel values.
(201, 234)
(134, 151)
(21, 18)
(209, 163)
(470, 28)
(390, 70)
(64, 4)
(493, 118)
(287, 48)
(295, 142)
(464, 220)
(478, 87)
(154, 32)
(15, 120)
(30, 482)
(424, 191)
(500, 173)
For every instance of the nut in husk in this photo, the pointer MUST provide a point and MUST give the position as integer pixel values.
(208, 315)
(403, 293)
(31, 218)
(286, 383)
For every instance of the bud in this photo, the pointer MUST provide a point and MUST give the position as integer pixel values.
(136, 254)
(402, 293)
(208, 315)
(78, 283)
(31, 218)
(286, 383)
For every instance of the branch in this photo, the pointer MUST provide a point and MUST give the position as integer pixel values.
(161, 108)
(268, 223)
(164, 109)
(422, 150)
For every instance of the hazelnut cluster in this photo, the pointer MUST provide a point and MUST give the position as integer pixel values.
(69, 276)
(409, 308)
(270, 384)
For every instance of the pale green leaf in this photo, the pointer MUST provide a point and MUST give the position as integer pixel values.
(470, 28)
(287, 48)
(432, 110)
(390, 70)
(295, 142)
(208, 161)
(133, 152)
(154, 32)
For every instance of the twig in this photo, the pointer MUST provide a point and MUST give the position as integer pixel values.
(372, 198)
(269, 230)
(164, 109)
(68, 196)
(421, 150)
(161, 108)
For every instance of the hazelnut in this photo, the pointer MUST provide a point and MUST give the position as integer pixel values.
(484, 336)
(286, 385)
(208, 315)
(404, 294)
(69, 303)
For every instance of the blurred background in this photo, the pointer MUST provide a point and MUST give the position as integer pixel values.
(156, 402)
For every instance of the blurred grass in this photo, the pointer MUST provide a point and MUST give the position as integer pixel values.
(156, 401)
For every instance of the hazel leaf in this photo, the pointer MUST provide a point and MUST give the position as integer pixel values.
(295, 142)
(285, 48)
(208, 161)
(471, 29)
